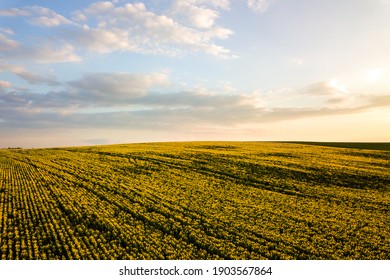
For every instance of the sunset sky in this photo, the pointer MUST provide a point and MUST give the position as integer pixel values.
(85, 72)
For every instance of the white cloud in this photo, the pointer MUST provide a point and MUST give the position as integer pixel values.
(15, 12)
(50, 21)
(46, 17)
(45, 52)
(6, 43)
(32, 78)
(5, 84)
(102, 40)
(39, 15)
(260, 6)
(104, 27)
(133, 28)
(50, 53)
(100, 8)
(78, 16)
(337, 86)
(190, 13)
(55, 54)
(221, 4)
(41, 50)
(7, 31)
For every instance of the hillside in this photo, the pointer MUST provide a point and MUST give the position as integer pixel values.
(195, 200)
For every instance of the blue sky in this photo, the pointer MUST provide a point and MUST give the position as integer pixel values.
(88, 72)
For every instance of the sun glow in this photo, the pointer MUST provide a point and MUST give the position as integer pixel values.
(335, 84)
(374, 75)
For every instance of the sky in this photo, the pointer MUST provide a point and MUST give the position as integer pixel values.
(86, 72)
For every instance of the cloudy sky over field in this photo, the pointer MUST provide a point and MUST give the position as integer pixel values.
(86, 72)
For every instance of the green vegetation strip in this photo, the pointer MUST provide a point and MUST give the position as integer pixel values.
(385, 146)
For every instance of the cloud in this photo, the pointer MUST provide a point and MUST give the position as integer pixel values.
(14, 12)
(259, 6)
(105, 27)
(191, 13)
(329, 88)
(122, 91)
(33, 78)
(28, 76)
(116, 87)
(46, 17)
(219, 4)
(335, 95)
(52, 53)
(378, 101)
(7, 31)
(7, 44)
(100, 8)
(45, 52)
(126, 100)
(101, 40)
(5, 84)
(133, 28)
(93, 90)
(42, 51)
(169, 118)
(333, 92)
(55, 20)
(78, 16)
(39, 15)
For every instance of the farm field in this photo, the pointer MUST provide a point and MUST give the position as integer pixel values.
(195, 200)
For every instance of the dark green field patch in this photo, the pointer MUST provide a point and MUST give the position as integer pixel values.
(384, 146)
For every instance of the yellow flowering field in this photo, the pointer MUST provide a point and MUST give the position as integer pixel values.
(195, 200)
